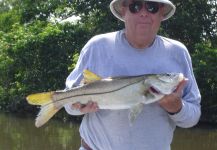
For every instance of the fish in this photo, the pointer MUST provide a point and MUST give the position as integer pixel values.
(114, 93)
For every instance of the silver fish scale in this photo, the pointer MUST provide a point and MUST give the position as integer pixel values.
(106, 85)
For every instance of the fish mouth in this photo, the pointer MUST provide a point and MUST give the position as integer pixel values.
(153, 90)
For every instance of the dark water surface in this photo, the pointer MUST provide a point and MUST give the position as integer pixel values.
(20, 134)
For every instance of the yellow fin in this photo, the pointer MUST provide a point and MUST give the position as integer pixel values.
(90, 76)
(47, 112)
(40, 98)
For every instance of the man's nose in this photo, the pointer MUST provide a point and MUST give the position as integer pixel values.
(144, 11)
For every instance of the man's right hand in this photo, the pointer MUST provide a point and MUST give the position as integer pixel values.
(86, 108)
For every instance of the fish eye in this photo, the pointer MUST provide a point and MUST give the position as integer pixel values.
(166, 78)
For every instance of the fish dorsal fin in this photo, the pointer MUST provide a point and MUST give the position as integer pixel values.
(90, 77)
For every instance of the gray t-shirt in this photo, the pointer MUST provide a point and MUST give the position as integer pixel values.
(111, 55)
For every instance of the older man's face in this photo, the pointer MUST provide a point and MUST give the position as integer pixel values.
(142, 21)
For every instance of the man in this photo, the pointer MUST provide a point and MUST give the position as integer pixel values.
(136, 50)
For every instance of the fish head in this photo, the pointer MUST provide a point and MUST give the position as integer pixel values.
(163, 84)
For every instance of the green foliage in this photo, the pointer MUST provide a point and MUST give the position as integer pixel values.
(41, 10)
(97, 16)
(7, 19)
(194, 22)
(5, 5)
(35, 58)
(205, 68)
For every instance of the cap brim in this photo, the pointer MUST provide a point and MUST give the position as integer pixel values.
(115, 7)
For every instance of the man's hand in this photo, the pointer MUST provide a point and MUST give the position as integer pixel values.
(172, 103)
(89, 107)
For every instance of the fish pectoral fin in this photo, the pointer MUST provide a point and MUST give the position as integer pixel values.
(90, 77)
(40, 98)
(135, 111)
(46, 112)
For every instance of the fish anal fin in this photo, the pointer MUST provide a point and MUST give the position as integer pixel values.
(46, 112)
(90, 77)
(134, 112)
(40, 98)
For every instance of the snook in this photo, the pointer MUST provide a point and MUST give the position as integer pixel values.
(130, 92)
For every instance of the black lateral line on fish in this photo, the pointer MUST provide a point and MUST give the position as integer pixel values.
(93, 93)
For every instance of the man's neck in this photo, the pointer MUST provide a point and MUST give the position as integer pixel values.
(140, 41)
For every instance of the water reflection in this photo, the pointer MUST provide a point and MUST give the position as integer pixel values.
(202, 137)
(20, 134)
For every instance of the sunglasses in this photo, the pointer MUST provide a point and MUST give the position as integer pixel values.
(151, 7)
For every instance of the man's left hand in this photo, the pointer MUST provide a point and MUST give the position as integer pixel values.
(172, 103)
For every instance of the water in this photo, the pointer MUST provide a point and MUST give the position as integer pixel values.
(20, 134)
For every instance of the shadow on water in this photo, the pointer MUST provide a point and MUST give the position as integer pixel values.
(20, 134)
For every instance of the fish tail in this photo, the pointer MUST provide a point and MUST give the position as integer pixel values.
(40, 98)
(48, 108)
(46, 112)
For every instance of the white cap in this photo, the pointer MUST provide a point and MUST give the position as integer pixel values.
(169, 10)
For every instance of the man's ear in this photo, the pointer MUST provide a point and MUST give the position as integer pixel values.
(123, 11)
(162, 9)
